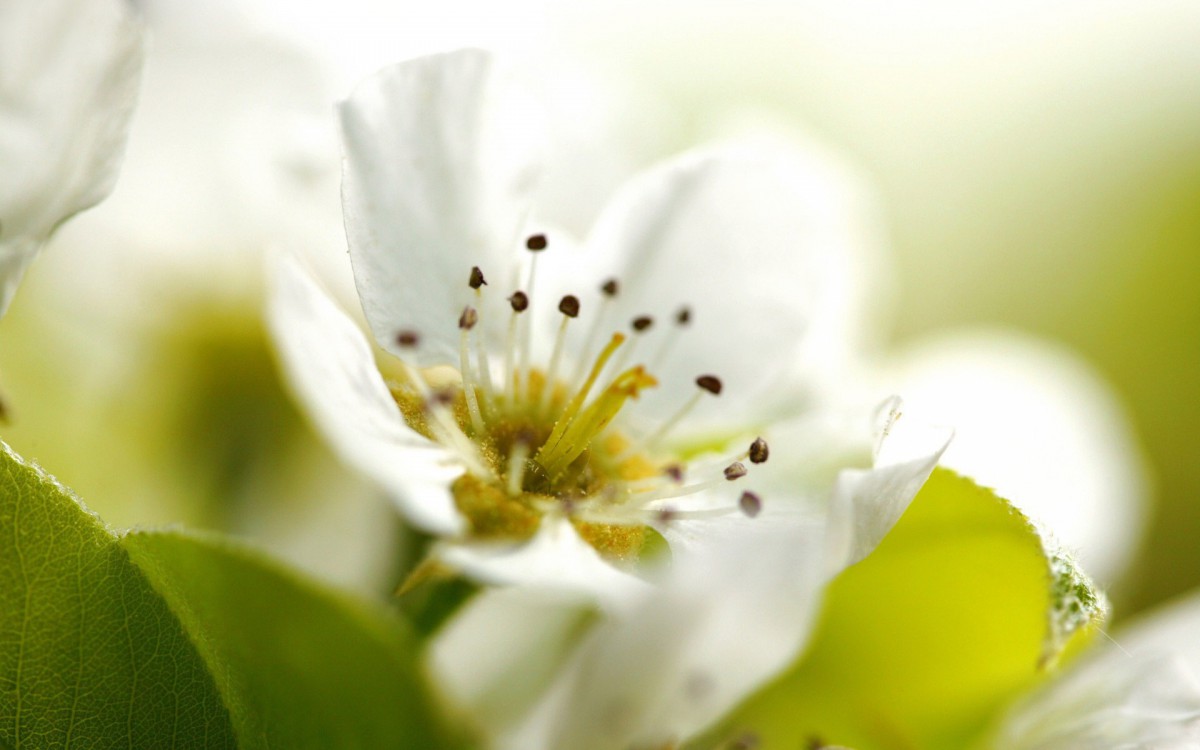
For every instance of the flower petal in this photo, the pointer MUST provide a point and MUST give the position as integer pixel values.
(440, 165)
(866, 503)
(682, 654)
(1036, 424)
(555, 559)
(69, 73)
(332, 371)
(1113, 700)
(498, 655)
(763, 247)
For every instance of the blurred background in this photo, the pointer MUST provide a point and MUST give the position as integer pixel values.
(1036, 167)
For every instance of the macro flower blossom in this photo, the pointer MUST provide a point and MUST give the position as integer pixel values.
(69, 74)
(549, 408)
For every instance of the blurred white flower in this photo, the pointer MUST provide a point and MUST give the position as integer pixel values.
(1140, 689)
(69, 74)
(1035, 423)
(729, 269)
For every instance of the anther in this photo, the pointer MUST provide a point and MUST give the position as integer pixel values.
(666, 515)
(407, 339)
(519, 301)
(610, 288)
(759, 451)
(476, 279)
(642, 322)
(536, 242)
(684, 316)
(710, 383)
(468, 319)
(750, 503)
(569, 306)
(735, 470)
(675, 472)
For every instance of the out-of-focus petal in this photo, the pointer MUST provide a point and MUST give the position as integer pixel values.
(69, 73)
(441, 161)
(498, 655)
(555, 559)
(331, 368)
(679, 656)
(1041, 428)
(1113, 701)
(760, 248)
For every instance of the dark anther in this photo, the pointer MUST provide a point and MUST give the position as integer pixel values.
(477, 279)
(610, 288)
(525, 436)
(684, 316)
(759, 451)
(519, 301)
(440, 397)
(468, 319)
(569, 306)
(408, 339)
(667, 515)
(710, 383)
(750, 503)
(735, 470)
(536, 242)
(675, 472)
(642, 322)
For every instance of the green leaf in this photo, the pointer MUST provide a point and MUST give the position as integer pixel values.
(90, 656)
(956, 612)
(172, 640)
(298, 666)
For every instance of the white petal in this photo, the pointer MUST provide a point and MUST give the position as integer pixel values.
(69, 72)
(331, 369)
(685, 653)
(499, 654)
(761, 246)
(866, 503)
(440, 165)
(1111, 701)
(555, 559)
(1171, 628)
(1038, 425)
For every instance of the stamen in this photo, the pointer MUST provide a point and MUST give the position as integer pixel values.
(535, 244)
(519, 302)
(640, 325)
(516, 464)
(608, 291)
(707, 383)
(466, 322)
(572, 409)
(569, 307)
(443, 425)
(594, 419)
(750, 503)
(476, 280)
(407, 339)
(682, 318)
(759, 451)
(735, 470)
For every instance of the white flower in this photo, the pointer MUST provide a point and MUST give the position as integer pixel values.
(1138, 689)
(717, 285)
(69, 72)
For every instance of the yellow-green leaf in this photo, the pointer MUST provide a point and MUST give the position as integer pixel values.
(299, 666)
(958, 610)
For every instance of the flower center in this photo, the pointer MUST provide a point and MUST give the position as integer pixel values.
(536, 441)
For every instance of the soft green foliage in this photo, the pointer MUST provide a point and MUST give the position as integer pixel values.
(921, 643)
(166, 639)
(90, 656)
